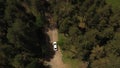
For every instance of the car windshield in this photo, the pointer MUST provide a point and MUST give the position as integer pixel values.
(54, 43)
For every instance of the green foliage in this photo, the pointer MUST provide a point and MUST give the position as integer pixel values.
(39, 21)
(33, 64)
(113, 46)
(37, 64)
(109, 62)
(90, 32)
(115, 4)
(22, 38)
(18, 62)
(61, 40)
(3, 58)
(15, 31)
(97, 53)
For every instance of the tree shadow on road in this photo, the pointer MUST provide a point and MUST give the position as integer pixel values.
(41, 46)
(38, 45)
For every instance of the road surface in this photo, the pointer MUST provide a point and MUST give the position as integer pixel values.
(56, 62)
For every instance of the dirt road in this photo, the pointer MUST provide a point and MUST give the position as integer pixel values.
(56, 62)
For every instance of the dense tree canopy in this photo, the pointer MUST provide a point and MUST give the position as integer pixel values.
(22, 34)
(91, 29)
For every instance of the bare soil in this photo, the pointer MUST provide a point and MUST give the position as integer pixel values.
(56, 62)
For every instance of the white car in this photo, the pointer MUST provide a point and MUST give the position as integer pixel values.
(55, 48)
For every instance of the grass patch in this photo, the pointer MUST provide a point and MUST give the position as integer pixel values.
(115, 3)
(61, 40)
(73, 63)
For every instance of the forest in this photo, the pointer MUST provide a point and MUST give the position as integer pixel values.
(91, 29)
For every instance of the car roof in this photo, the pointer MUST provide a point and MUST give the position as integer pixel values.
(55, 46)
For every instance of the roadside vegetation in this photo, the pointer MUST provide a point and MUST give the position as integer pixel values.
(91, 29)
(66, 54)
(22, 34)
(114, 3)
